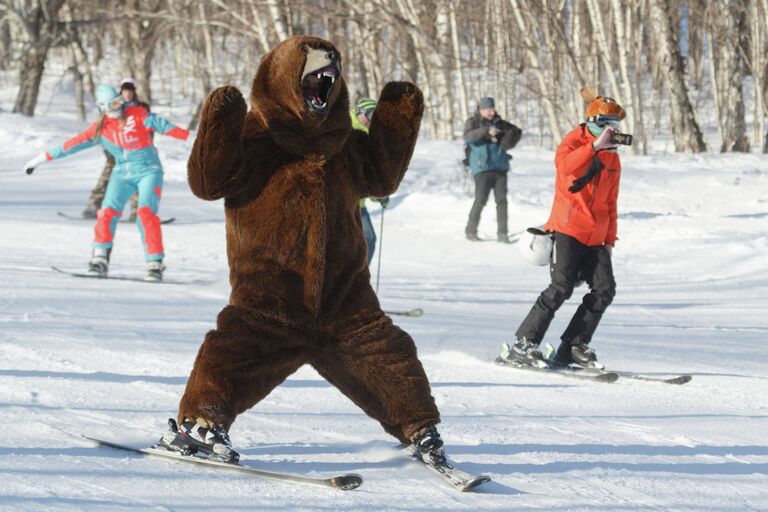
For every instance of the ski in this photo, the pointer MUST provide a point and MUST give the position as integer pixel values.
(571, 373)
(79, 217)
(413, 313)
(126, 278)
(344, 482)
(677, 380)
(456, 478)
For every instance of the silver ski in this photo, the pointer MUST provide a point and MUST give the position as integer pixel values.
(458, 479)
(606, 377)
(413, 313)
(343, 482)
(678, 380)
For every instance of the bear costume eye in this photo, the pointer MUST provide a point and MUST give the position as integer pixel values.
(321, 71)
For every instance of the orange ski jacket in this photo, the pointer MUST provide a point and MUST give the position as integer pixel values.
(588, 215)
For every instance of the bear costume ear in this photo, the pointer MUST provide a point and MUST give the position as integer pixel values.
(598, 106)
(588, 94)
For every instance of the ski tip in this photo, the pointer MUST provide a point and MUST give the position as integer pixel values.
(607, 377)
(475, 482)
(347, 482)
(683, 379)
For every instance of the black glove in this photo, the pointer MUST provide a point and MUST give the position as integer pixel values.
(589, 175)
(383, 201)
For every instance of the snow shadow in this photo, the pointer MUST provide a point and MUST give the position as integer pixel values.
(94, 376)
(603, 449)
(689, 468)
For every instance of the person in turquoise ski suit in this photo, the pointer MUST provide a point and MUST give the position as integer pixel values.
(126, 133)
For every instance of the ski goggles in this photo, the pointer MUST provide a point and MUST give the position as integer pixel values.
(607, 121)
(114, 104)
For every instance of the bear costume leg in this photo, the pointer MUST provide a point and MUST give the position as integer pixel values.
(239, 363)
(377, 368)
(248, 355)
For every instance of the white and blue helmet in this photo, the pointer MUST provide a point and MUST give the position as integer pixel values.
(109, 100)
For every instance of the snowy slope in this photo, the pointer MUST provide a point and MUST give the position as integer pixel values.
(111, 358)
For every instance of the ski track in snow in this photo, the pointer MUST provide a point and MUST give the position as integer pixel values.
(111, 358)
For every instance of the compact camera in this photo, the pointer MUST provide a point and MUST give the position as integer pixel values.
(621, 138)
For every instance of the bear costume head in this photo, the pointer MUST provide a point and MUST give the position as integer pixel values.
(300, 97)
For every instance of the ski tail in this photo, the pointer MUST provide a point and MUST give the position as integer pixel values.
(344, 482)
(412, 313)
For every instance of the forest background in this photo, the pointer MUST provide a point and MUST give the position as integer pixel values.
(691, 72)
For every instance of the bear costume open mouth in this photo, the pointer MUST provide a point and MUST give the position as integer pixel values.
(317, 86)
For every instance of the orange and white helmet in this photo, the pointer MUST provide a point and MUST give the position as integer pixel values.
(601, 108)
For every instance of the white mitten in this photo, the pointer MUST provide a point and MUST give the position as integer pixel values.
(39, 159)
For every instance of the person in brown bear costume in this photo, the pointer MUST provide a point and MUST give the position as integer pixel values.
(292, 173)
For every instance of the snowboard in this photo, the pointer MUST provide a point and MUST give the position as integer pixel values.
(79, 217)
(119, 277)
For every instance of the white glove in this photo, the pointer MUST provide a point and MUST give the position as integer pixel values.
(39, 159)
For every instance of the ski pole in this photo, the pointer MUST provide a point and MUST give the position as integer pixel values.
(381, 246)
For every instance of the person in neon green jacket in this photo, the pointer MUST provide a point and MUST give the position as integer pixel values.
(361, 119)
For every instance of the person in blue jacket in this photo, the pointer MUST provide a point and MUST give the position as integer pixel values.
(488, 138)
(126, 133)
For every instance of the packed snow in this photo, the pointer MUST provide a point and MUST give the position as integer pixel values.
(110, 358)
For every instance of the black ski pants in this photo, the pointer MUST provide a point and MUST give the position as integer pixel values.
(572, 261)
(484, 183)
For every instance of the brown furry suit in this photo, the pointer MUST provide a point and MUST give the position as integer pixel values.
(301, 288)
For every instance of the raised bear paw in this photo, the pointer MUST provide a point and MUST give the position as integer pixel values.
(405, 92)
(224, 104)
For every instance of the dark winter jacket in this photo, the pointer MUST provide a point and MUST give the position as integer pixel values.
(488, 153)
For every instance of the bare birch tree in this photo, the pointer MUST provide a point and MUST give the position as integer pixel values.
(39, 29)
(685, 127)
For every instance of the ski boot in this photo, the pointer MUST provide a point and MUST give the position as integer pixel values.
(99, 264)
(154, 271)
(504, 239)
(584, 356)
(558, 359)
(90, 212)
(523, 353)
(427, 446)
(191, 438)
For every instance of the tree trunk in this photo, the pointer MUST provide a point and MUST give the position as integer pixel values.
(685, 127)
(278, 21)
(727, 24)
(40, 31)
(138, 37)
(458, 69)
(622, 29)
(525, 29)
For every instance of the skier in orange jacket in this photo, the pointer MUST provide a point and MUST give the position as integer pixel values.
(583, 225)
